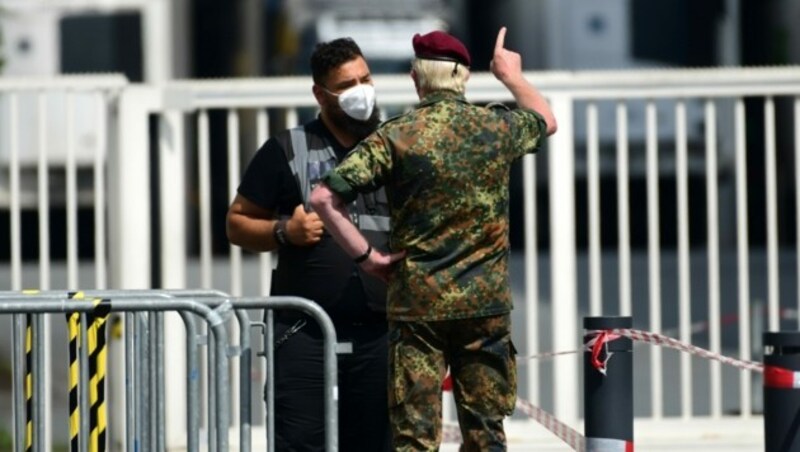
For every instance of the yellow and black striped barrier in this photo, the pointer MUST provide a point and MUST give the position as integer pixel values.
(73, 329)
(97, 349)
(97, 375)
(28, 382)
(29, 375)
(89, 328)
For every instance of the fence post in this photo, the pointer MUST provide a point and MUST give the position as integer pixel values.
(781, 397)
(563, 256)
(129, 223)
(608, 386)
(172, 231)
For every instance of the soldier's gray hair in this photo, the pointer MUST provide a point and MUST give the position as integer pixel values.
(435, 75)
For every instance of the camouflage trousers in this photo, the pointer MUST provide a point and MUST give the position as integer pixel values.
(482, 364)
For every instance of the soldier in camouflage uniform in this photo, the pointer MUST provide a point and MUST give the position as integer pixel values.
(445, 167)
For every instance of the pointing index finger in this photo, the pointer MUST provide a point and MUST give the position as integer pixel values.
(501, 39)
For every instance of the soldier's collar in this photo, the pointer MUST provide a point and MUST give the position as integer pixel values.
(438, 96)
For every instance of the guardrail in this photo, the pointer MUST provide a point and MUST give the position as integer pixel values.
(144, 401)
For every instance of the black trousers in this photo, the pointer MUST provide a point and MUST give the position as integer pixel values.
(362, 380)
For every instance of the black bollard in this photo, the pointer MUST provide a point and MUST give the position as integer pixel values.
(781, 395)
(608, 394)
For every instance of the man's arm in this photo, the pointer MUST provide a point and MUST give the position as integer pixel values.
(333, 212)
(250, 226)
(253, 228)
(507, 67)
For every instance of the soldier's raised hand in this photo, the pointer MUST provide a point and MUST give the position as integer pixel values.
(506, 65)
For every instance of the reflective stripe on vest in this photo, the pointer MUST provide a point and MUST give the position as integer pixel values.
(324, 159)
(321, 161)
(374, 223)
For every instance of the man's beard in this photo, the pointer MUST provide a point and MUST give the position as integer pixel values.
(353, 127)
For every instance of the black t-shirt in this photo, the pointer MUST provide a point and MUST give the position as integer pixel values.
(321, 272)
(268, 181)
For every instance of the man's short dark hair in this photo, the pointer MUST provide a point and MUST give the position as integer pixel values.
(330, 55)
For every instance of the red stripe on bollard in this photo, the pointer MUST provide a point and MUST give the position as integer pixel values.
(447, 384)
(781, 398)
(780, 378)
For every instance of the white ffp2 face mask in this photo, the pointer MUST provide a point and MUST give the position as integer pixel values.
(357, 101)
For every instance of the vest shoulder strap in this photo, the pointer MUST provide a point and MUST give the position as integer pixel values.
(309, 158)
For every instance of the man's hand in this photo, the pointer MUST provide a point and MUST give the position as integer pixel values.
(506, 65)
(304, 229)
(381, 264)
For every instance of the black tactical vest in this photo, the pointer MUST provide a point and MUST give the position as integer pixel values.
(321, 272)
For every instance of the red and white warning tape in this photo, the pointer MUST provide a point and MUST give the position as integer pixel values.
(522, 360)
(774, 377)
(665, 341)
(563, 431)
(451, 433)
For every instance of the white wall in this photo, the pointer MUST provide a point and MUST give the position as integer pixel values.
(30, 42)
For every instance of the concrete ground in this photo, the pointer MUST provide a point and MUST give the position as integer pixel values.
(671, 435)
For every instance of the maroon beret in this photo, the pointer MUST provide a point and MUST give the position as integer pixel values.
(438, 45)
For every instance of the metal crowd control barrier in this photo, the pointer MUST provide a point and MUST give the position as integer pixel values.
(146, 395)
(35, 304)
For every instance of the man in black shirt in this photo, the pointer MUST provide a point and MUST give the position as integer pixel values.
(270, 212)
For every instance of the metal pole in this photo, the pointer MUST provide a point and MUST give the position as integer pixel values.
(159, 388)
(83, 383)
(608, 385)
(781, 397)
(40, 413)
(211, 359)
(131, 379)
(18, 385)
(143, 413)
(245, 384)
(192, 384)
(269, 342)
(154, 359)
(221, 389)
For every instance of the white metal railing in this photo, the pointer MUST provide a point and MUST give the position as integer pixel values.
(54, 127)
(625, 126)
(44, 126)
(646, 109)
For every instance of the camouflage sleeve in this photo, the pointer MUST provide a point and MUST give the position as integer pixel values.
(363, 170)
(527, 129)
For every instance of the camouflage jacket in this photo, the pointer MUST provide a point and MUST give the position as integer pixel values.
(445, 166)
